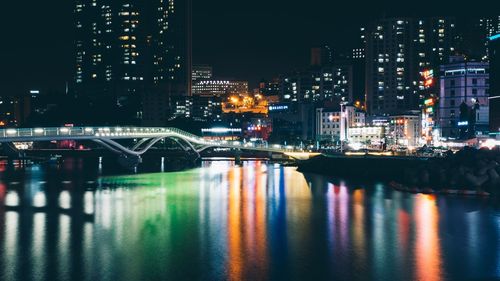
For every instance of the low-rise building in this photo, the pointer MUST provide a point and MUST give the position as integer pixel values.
(405, 129)
(463, 99)
(329, 124)
(370, 135)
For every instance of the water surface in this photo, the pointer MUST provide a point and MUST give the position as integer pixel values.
(257, 221)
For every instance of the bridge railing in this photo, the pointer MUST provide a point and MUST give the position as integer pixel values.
(53, 131)
(76, 131)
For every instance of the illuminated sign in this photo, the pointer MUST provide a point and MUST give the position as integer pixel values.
(278, 107)
(429, 102)
(428, 76)
(463, 123)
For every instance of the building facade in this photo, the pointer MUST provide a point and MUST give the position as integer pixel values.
(390, 66)
(494, 94)
(202, 72)
(292, 122)
(334, 82)
(405, 130)
(397, 50)
(463, 100)
(270, 88)
(369, 135)
(126, 49)
(321, 55)
(330, 126)
(357, 59)
(220, 87)
(489, 26)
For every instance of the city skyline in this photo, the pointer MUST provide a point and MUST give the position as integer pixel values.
(262, 41)
(249, 140)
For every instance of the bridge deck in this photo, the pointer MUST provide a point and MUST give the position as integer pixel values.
(114, 133)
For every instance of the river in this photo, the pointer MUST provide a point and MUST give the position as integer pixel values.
(257, 221)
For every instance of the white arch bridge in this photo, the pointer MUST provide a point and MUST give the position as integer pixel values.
(147, 138)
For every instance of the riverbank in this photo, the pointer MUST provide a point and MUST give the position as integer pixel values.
(365, 167)
(468, 169)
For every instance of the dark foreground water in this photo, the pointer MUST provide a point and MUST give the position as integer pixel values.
(223, 222)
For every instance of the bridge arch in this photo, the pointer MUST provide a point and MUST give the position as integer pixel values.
(148, 137)
(131, 157)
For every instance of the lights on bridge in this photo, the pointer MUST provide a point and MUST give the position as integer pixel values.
(39, 131)
(64, 130)
(89, 130)
(11, 131)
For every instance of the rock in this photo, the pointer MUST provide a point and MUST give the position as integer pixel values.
(494, 178)
(476, 181)
(424, 177)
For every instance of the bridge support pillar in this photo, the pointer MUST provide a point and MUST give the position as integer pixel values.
(128, 161)
(237, 157)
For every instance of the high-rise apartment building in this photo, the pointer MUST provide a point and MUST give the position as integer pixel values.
(321, 56)
(390, 66)
(489, 26)
(435, 42)
(357, 59)
(334, 82)
(494, 94)
(397, 50)
(128, 49)
(270, 88)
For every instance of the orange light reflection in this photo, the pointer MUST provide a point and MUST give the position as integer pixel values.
(427, 247)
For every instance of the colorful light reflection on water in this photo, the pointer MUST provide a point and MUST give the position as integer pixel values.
(258, 221)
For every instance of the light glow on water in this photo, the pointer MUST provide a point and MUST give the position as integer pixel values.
(257, 221)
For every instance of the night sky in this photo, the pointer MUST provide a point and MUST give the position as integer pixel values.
(241, 39)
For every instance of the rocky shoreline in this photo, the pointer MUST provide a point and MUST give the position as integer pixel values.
(468, 169)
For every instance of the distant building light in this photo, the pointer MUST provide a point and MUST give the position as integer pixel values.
(221, 130)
